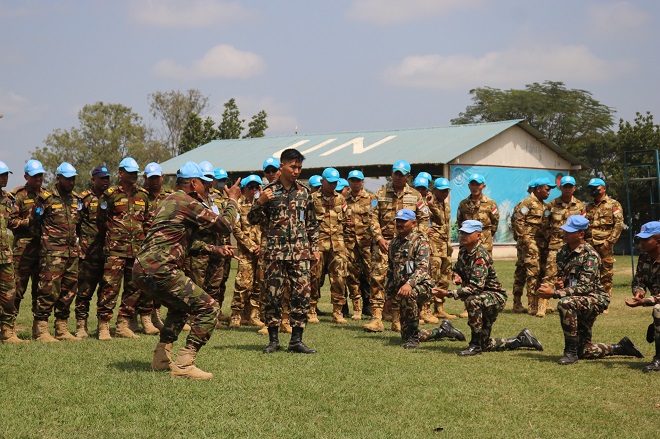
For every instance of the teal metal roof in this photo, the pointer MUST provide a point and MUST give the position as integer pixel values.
(436, 145)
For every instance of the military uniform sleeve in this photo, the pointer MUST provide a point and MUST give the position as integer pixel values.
(639, 281)
(494, 217)
(423, 222)
(311, 225)
(389, 278)
(617, 214)
(374, 224)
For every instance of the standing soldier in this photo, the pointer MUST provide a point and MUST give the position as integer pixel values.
(647, 277)
(285, 211)
(519, 277)
(581, 297)
(330, 208)
(58, 212)
(421, 184)
(391, 198)
(124, 211)
(27, 234)
(479, 207)
(90, 269)
(532, 225)
(440, 240)
(560, 209)
(360, 228)
(7, 283)
(606, 219)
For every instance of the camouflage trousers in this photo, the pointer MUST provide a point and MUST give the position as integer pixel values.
(184, 299)
(333, 263)
(216, 277)
(247, 285)
(550, 272)
(358, 260)
(379, 274)
(519, 277)
(280, 276)
(90, 275)
(440, 269)
(58, 284)
(607, 266)
(578, 315)
(115, 270)
(410, 307)
(656, 322)
(26, 269)
(483, 310)
(534, 256)
(7, 293)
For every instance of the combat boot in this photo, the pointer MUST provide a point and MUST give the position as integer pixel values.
(447, 330)
(184, 366)
(221, 318)
(156, 319)
(235, 320)
(296, 344)
(133, 323)
(474, 347)
(541, 307)
(532, 305)
(387, 315)
(426, 315)
(62, 332)
(40, 332)
(104, 330)
(148, 325)
(654, 366)
(285, 328)
(625, 347)
(440, 312)
(412, 339)
(524, 340)
(548, 308)
(518, 307)
(570, 351)
(357, 310)
(263, 330)
(273, 341)
(8, 335)
(396, 321)
(123, 330)
(312, 316)
(464, 314)
(254, 318)
(245, 317)
(81, 328)
(338, 315)
(376, 323)
(162, 357)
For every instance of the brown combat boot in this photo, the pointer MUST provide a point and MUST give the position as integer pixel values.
(123, 330)
(162, 357)
(235, 320)
(426, 314)
(357, 310)
(147, 324)
(285, 328)
(8, 335)
(518, 307)
(254, 318)
(263, 331)
(104, 330)
(156, 319)
(40, 332)
(387, 315)
(221, 318)
(464, 314)
(541, 307)
(184, 366)
(133, 324)
(440, 312)
(312, 316)
(376, 323)
(81, 328)
(62, 331)
(532, 305)
(338, 315)
(396, 322)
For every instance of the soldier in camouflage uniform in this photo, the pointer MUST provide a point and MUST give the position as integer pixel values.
(483, 294)
(285, 211)
(606, 223)
(90, 265)
(391, 198)
(532, 225)
(581, 297)
(157, 270)
(7, 282)
(123, 214)
(359, 230)
(519, 277)
(330, 208)
(27, 234)
(58, 213)
(248, 282)
(647, 277)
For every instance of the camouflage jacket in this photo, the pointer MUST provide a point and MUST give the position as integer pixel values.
(27, 232)
(559, 212)
(59, 223)
(439, 232)
(123, 216)
(207, 238)
(477, 274)
(605, 221)
(363, 228)
(179, 219)
(408, 262)
(484, 210)
(331, 216)
(389, 203)
(154, 204)
(6, 236)
(91, 238)
(579, 269)
(288, 222)
(247, 236)
(532, 220)
(647, 276)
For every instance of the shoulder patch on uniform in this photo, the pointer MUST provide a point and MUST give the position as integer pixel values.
(45, 194)
(141, 189)
(110, 190)
(480, 261)
(374, 203)
(494, 209)
(524, 210)
(615, 210)
(546, 212)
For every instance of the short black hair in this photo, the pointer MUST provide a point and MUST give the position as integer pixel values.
(291, 154)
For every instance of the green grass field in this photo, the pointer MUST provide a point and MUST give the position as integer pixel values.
(359, 385)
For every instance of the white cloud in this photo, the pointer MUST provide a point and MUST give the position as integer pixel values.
(506, 68)
(221, 61)
(385, 12)
(187, 13)
(615, 21)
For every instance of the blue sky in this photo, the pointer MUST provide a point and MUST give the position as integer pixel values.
(318, 66)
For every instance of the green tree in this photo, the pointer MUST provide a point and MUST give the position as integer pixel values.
(231, 125)
(197, 132)
(106, 133)
(173, 108)
(257, 126)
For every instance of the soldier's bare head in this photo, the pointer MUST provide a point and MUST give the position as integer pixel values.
(290, 166)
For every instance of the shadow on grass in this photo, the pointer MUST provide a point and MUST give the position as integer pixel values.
(131, 366)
